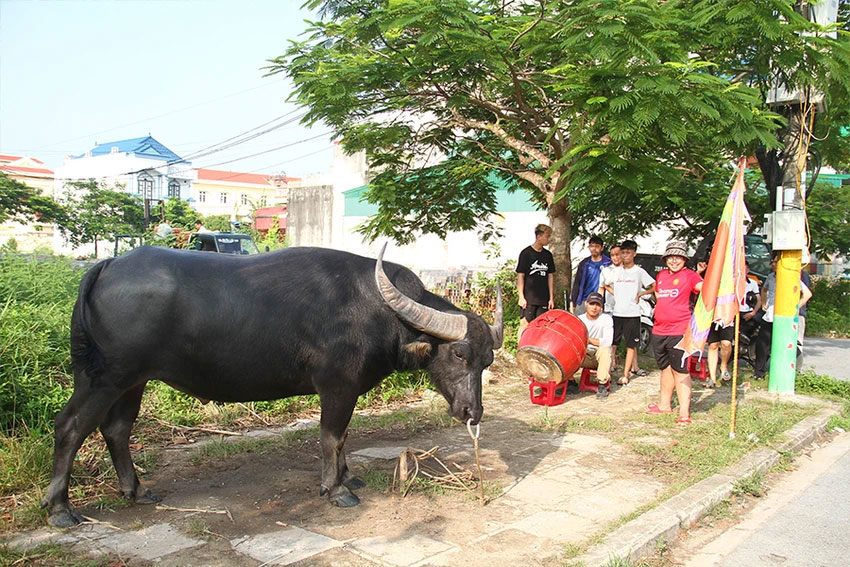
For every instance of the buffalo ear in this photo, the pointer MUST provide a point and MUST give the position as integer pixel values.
(418, 350)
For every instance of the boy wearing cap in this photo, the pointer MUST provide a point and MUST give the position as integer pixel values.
(627, 283)
(600, 335)
(673, 288)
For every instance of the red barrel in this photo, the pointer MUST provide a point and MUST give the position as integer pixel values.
(552, 346)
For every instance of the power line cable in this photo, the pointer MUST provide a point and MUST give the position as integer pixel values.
(193, 155)
(200, 154)
(289, 145)
(240, 139)
(164, 114)
(235, 174)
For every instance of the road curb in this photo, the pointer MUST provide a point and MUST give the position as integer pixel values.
(640, 537)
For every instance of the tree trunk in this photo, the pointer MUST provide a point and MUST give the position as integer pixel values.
(561, 223)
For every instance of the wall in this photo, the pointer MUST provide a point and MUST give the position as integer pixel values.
(310, 216)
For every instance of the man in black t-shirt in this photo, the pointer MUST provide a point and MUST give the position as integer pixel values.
(535, 280)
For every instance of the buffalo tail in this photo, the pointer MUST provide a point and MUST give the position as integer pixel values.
(86, 358)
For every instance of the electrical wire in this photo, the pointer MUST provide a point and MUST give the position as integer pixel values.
(265, 167)
(289, 145)
(165, 113)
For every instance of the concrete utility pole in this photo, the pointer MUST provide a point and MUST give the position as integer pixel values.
(788, 228)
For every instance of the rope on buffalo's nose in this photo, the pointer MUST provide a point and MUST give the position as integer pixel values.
(477, 458)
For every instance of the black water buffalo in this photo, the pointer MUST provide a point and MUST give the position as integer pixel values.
(241, 328)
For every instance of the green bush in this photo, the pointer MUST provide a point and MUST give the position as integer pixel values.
(810, 383)
(35, 375)
(829, 308)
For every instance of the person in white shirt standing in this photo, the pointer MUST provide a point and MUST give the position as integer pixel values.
(627, 283)
(600, 335)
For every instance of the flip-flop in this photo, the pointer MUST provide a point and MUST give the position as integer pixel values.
(653, 409)
(623, 381)
(683, 421)
(639, 372)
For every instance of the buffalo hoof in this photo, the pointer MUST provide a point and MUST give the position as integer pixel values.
(353, 483)
(148, 497)
(64, 519)
(343, 497)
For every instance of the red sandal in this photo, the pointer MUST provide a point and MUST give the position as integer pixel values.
(683, 421)
(653, 409)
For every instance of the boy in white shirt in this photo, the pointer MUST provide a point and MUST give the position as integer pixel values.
(600, 333)
(627, 283)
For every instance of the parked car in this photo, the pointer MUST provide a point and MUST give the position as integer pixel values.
(756, 249)
(223, 243)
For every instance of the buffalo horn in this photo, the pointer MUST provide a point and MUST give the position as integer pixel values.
(446, 326)
(497, 329)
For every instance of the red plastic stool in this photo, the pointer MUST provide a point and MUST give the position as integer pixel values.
(698, 367)
(547, 393)
(587, 382)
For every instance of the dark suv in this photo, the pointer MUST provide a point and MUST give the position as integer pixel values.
(223, 243)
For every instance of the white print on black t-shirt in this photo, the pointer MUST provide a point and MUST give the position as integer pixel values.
(538, 268)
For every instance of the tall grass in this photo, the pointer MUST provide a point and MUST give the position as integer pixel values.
(36, 300)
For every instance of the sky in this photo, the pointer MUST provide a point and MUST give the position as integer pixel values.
(187, 72)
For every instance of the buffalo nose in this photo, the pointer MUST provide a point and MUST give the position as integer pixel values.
(473, 414)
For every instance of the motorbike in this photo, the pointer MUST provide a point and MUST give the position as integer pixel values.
(647, 307)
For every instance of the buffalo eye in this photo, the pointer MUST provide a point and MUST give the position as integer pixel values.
(458, 355)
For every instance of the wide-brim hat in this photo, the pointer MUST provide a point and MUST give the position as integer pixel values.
(676, 248)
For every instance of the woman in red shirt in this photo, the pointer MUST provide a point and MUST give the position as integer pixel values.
(673, 288)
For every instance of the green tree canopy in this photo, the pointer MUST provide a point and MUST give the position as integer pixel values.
(605, 111)
(22, 203)
(178, 213)
(96, 212)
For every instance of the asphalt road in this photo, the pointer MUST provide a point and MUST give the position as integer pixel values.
(828, 356)
(801, 522)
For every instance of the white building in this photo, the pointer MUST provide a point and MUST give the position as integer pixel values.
(141, 166)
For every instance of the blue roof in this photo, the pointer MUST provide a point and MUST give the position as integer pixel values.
(146, 147)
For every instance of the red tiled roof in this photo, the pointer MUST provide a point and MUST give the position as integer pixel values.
(236, 176)
(24, 170)
(8, 158)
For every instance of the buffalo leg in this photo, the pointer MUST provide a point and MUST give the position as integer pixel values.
(116, 432)
(336, 414)
(81, 415)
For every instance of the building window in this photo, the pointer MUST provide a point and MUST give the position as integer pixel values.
(244, 199)
(146, 186)
(174, 189)
(202, 196)
(222, 198)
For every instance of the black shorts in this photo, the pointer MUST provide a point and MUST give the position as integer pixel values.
(717, 334)
(532, 312)
(667, 355)
(628, 329)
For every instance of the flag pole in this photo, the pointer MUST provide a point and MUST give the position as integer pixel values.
(735, 375)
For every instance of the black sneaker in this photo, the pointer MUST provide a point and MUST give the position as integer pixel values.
(602, 391)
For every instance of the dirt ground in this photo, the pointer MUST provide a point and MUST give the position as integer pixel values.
(223, 489)
(274, 485)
